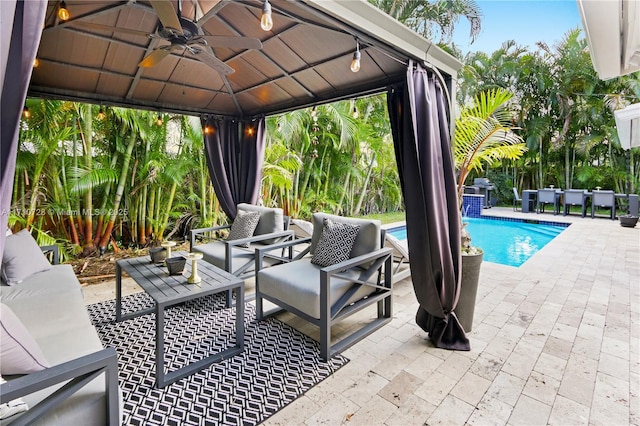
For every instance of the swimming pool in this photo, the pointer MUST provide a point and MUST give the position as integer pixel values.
(508, 242)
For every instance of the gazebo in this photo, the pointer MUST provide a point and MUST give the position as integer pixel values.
(214, 59)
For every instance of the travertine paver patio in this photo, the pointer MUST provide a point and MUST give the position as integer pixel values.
(555, 341)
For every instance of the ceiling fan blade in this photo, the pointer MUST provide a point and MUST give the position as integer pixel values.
(213, 62)
(167, 14)
(109, 28)
(233, 42)
(154, 58)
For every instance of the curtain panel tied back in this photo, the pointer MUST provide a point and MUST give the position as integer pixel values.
(420, 128)
(235, 154)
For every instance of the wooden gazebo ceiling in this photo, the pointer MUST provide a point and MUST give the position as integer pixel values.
(304, 59)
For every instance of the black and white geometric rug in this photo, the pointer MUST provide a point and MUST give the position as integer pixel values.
(278, 364)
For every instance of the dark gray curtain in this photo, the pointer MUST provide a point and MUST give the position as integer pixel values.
(235, 154)
(420, 128)
(19, 39)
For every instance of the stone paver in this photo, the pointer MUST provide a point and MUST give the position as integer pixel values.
(555, 341)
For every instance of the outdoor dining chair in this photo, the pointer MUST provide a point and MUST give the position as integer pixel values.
(345, 269)
(575, 197)
(603, 199)
(516, 199)
(547, 196)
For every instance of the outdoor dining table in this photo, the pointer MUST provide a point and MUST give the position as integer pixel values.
(529, 198)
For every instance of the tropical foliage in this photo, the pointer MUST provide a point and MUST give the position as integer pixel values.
(483, 135)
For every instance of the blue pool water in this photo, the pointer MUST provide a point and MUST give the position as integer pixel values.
(507, 242)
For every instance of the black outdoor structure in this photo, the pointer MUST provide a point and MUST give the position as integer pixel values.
(304, 61)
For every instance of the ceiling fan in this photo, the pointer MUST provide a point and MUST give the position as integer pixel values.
(183, 34)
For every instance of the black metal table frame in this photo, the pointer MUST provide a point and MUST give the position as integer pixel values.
(163, 379)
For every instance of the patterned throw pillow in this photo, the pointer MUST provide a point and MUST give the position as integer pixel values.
(244, 226)
(335, 243)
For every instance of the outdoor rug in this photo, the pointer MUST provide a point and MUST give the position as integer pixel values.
(278, 363)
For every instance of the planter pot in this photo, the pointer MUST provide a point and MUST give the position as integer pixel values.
(157, 254)
(628, 221)
(176, 264)
(468, 289)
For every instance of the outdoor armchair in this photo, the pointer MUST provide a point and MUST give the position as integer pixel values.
(236, 254)
(575, 197)
(344, 269)
(603, 199)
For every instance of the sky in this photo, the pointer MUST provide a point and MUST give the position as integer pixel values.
(525, 21)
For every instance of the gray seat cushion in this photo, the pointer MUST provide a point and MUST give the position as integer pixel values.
(298, 285)
(51, 306)
(215, 253)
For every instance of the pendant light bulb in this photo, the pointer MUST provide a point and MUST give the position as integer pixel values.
(101, 114)
(26, 113)
(36, 63)
(355, 62)
(159, 120)
(63, 12)
(355, 112)
(266, 22)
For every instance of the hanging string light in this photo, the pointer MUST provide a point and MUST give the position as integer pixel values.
(159, 120)
(101, 114)
(63, 12)
(26, 113)
(355, 62)
(266, 22)
(355, 112)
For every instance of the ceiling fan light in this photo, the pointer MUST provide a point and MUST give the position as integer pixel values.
(266, 22)
(63, 12)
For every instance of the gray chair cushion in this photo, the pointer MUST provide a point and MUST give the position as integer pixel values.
(243, 226)
(298, 285)
(335, 244)
(19, 351)
(271, 220)
(214, 253)
(22, 257)
(368, 238)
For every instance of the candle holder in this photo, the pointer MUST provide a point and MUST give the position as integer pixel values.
(194, 278)
(167, 246)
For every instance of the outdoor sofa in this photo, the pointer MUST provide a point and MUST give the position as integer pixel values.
(52, 358)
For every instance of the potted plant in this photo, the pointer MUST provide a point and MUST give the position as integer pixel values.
(483, 136)
(628, 220)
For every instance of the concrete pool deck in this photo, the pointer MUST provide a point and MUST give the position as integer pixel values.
(554, 341)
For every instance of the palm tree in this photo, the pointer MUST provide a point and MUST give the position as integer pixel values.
(425, 17)
(484, 136)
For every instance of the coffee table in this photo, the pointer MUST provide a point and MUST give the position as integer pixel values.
(168, 290)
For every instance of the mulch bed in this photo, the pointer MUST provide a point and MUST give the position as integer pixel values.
(95, 269)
